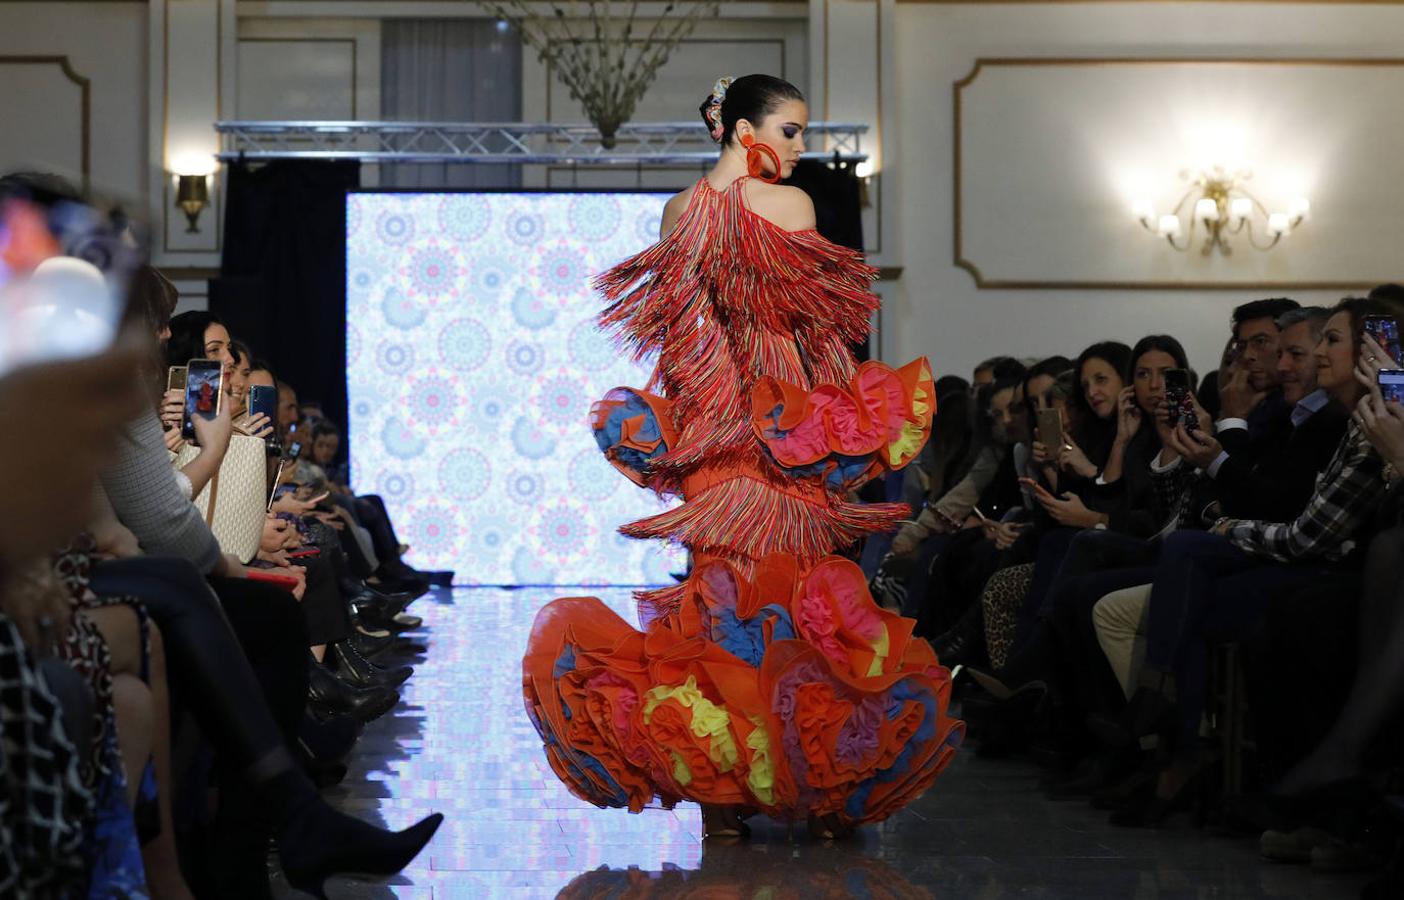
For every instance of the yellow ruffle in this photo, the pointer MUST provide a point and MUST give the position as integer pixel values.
(708, 720)
(761, 778)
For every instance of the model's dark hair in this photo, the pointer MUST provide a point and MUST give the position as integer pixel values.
(188, 336)
(750, 97)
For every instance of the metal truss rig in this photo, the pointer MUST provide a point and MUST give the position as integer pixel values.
(637, 144)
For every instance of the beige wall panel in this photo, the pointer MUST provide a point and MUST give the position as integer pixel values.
(1055, 157)
(937, 308)
(51, 116)
(104, 44)
(297, 79)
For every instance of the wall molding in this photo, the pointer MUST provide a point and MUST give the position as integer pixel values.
(85, 86)
(982, 283)
(355, 70)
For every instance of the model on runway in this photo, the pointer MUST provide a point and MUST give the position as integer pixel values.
(769, 681)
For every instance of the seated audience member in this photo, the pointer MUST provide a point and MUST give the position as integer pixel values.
(996, 368)
(1212, 587)
(206, 657)
(949, 589)
(1090, 422)
(919, 540)
(326, 453)
(46, 810)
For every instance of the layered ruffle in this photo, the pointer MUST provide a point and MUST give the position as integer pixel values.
(633, 429)
(792, 693)
(846, 434)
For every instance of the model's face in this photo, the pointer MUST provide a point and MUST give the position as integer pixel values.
(1149, 378)
(1257, 340)
(1296, 362)
(1101, 385)
(783, 131)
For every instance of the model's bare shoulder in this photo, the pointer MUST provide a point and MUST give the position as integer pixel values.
(673, 210)
(787, 207)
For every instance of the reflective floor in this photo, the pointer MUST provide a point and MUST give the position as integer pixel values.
(460, 744)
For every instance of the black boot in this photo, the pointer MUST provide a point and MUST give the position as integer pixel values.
(964, 643)
(327, 691)
(316, 842)
(358, 670)
(370, 646)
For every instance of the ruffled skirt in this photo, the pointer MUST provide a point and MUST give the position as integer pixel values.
(769, 679)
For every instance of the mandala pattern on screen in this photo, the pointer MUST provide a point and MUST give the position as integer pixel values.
(471, 323)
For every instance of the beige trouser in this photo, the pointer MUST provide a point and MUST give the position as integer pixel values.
(1121, 620)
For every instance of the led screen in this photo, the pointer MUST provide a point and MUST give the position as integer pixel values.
(473, 359)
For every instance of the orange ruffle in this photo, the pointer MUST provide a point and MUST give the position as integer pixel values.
(790, 692)
(847, 434)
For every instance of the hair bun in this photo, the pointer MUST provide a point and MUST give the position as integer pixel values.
(712, 108)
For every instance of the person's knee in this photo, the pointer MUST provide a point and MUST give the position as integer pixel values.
(120, 628)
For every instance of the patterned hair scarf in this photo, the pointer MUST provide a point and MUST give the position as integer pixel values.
(714, 107)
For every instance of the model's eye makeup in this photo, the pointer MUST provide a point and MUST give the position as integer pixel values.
(790, 130)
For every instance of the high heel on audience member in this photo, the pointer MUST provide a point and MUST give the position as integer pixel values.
(317, 842)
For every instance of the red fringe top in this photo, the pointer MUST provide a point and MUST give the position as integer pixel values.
(727, 298)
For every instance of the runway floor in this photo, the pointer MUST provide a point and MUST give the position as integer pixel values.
(460, 744)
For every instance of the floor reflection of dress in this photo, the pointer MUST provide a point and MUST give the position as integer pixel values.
(744, 873)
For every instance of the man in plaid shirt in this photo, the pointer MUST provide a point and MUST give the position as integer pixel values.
(1211, 587)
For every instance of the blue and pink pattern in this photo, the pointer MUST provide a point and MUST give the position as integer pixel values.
(474, 359)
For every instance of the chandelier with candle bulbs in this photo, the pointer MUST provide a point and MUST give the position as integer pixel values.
(1218, 203)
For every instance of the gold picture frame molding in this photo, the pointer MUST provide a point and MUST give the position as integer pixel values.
(982, 63)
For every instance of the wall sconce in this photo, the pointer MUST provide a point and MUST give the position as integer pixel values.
(192, 174)
(192, 196)
(1218, 201)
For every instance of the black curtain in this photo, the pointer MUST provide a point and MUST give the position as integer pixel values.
(838, 210)
(837, 200)
(282, 282)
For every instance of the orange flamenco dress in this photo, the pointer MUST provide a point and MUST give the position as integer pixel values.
(770, 678)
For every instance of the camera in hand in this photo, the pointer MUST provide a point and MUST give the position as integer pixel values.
(204, 391)
(1180, 400)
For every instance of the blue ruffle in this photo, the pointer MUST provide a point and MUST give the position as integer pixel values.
(745, 638)
(608, 434)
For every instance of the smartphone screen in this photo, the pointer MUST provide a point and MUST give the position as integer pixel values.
(1179, 399)
(1391, 382)
(264, 399)
(1050, 429)
(1385, 331)
(65, 267)
(175, 378)
(204, 383)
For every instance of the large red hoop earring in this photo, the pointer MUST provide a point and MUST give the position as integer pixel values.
(755, 167)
